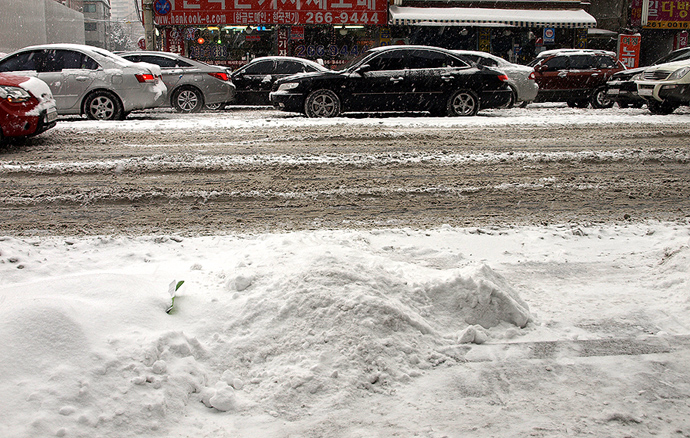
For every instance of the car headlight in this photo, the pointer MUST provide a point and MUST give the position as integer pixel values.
(14, 94)
(637, 77)
(288, 86)
(678, 74)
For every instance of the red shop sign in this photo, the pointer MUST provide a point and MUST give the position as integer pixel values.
(629, 50)
(253, 12)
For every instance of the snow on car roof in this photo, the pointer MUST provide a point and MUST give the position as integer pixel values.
(566, 52)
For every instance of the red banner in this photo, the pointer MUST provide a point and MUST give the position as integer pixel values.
(253, 12)
(629, 50)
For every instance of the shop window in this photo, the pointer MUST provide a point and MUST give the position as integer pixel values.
(89, 8)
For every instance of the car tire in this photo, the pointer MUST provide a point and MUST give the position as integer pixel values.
(322, 103)
(578, 103)
(215, 106)
(103, 105)
(463, 103)
(513, 99)
(599, 99)
(661, 108)
(188, 100)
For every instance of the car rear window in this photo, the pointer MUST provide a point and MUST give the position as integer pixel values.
(25, 61)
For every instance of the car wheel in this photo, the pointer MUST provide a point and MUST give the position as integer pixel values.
(215, 106)
(513, 99)
(463, 103)
(188, 100)
(661, 108)
(578, 103)
(103, 105)
(600, 99)
(322, 103)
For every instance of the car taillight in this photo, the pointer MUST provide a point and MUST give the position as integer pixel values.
(221, 76)
(145, 77)
(502, 78)
(532, 76)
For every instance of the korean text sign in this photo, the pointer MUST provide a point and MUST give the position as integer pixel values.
(629, 50)
(252, 12)
(663, 14)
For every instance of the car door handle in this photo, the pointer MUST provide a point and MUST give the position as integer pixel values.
(82, 78)
(447, 78)
(397, 79)
(562, 74)
(595, 74)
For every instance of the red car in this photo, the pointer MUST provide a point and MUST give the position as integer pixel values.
(575, 76)
(27, 106)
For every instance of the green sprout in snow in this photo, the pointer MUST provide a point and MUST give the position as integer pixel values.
(172, 289)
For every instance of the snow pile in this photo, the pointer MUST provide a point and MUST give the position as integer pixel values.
(295, 320)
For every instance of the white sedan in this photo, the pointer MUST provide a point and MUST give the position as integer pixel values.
(520, 77)
(89, 80)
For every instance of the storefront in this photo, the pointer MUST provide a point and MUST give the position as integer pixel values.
(514, 34)
(663, 26)
(231, 32)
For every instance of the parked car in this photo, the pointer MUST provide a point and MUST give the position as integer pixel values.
(254, 81)
(395, 78)
(89, 80)
(622, 89)
(27, 106)
(575, 76)
(191, 84)
(520, 77)
(665, 87)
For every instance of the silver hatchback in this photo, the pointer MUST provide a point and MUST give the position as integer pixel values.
(89, 80)
(191, 84)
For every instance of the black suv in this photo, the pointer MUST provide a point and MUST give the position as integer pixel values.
(395, 78)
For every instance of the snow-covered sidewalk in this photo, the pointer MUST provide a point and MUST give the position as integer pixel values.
(551, 331)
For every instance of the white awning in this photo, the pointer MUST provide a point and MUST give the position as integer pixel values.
(484, 17)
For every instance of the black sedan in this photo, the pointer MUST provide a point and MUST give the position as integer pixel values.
(395, 78)
(255, 80)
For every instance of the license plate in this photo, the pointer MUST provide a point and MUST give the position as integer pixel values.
(645, 91)
(51, 115)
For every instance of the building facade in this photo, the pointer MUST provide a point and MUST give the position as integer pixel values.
(127, 15)
(29, 22)
(97, 22)
(232, 32)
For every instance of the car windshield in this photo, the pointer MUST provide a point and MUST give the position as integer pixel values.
(355, 61)
(677, 55)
